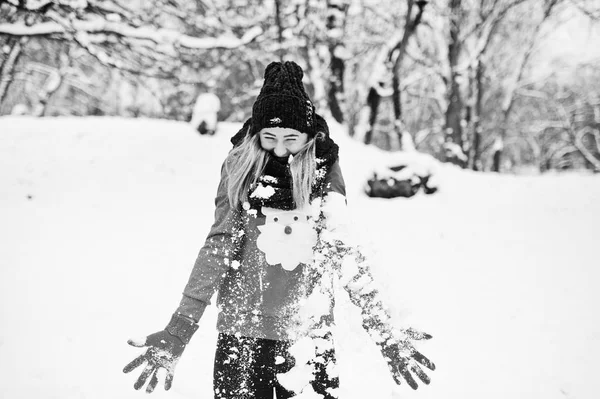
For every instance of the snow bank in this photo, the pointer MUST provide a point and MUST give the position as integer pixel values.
(101, 220)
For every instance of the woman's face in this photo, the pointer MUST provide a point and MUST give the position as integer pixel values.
(282, 141)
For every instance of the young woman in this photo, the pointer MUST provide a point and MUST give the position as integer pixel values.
(275, 252)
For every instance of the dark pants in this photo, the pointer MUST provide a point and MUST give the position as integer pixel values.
(248, 368)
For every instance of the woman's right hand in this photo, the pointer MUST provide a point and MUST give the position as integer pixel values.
(164, 350)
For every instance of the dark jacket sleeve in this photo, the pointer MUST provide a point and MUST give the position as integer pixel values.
(215, 256)
(334, 181)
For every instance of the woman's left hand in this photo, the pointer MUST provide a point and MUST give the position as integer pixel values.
(403, 359)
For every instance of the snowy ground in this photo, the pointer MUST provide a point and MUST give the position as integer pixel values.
(101, 221)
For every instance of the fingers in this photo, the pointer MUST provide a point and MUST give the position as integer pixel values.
(153, 381)
(137, 342)
(423, 360)
(399, 369)
(407, 377)
(417, 335)
(144, 376)
(168, 380)
(135, 363)
(420, 373)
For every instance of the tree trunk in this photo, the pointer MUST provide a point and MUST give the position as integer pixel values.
(469, 118)
(335, 27)
(497, 151)
(477, 110)
(6, 73)
(315, 72)
(279, 29)
(509, 99)
(455, 103)
(497, 161)
(398, 125)
(392, 53)
(410, 26)
(54, 82)
(336, 87)
(373, 100)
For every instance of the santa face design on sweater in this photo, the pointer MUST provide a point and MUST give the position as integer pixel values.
(287, 237)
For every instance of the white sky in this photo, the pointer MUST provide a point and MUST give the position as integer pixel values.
(575, 41)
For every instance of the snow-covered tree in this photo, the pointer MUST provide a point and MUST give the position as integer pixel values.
(170, 41)
(563, 126)
(470, 57)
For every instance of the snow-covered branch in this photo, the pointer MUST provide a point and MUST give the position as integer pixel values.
(31, 5)
(157, 71)
(112, 7)
(159, 36)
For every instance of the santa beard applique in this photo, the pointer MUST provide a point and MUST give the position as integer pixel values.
(287, 237)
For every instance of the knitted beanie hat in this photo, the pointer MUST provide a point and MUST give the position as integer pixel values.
(282, 101)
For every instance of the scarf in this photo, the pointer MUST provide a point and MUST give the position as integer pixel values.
(273, 188)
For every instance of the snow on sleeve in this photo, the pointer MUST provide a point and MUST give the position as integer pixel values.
(337, 218)
(354, 274)
(314, 307)
(349, 269)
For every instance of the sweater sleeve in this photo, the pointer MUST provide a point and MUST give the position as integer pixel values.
(213, 260)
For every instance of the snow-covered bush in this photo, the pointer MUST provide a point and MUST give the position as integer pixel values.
(204, 118)
(403, 176)
(20, 109)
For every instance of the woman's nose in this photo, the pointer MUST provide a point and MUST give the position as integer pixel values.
(280, 150)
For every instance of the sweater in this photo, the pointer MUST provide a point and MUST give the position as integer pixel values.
(256, 259)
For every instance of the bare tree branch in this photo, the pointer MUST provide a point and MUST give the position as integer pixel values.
(588, 155)
(6, 74)
(509, 99)
(591, 11)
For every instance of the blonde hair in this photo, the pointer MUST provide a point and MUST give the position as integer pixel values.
(246, 163)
